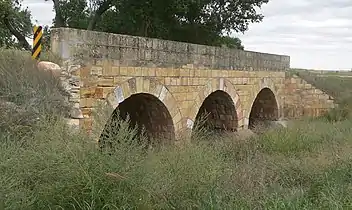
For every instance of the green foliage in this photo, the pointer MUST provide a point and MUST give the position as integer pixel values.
(230, 42)
(200, 22)
(46, 39)
(15, 24)
(305, 136)
(75, 13)
(6, 39)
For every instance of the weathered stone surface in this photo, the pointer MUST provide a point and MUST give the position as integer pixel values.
(293, 96)
(302, 99)
(76, 113)
(141, 51)
(54, 68)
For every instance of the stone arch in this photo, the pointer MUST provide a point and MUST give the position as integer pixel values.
(213, 90)
(156, 108)
(219, 111)
(264, 108)
(265, 82)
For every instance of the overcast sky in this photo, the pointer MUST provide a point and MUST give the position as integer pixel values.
(316, 34)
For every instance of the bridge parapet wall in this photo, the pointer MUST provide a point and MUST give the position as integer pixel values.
(127, 50)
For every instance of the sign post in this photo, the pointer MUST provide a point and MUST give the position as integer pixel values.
(37, 42)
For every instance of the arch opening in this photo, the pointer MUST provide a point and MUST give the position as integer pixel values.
(147, 115)
(264, 110)
(217, 113)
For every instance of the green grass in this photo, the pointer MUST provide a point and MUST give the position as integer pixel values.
(305, 166)
(297, 168)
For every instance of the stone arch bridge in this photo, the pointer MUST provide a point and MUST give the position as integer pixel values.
(166, 86)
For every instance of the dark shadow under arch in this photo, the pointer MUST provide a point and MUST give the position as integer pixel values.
(264, 109)
(148, 113)
(217, 113)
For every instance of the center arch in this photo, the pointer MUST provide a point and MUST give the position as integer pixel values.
(217, 113)
(264, 110)
(224, 88)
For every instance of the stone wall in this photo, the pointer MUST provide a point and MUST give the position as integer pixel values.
(140, 51)
(303, 99)
(182, 90)
(112, 68)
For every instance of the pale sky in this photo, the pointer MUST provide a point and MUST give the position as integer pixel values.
(316, 34)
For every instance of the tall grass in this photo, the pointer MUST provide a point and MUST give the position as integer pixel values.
(26, 93)
(305, 166)
(296, 168)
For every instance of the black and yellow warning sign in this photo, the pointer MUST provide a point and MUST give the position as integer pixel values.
(37, 42)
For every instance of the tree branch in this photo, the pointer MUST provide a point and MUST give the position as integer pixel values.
(98, 13)
(20, 37)
(59, 20)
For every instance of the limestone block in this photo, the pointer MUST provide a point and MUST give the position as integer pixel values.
(74, 70)
(106, 81)
(96, 70)
(151, 72)
(107, 68)
(84, 72)
(76, 113)
(87, 92)
(167, 81)
(184, 72)
(125, 71)
(86, 112)
(160, 72)
(86, 102)
(102, 92)
(51, 67)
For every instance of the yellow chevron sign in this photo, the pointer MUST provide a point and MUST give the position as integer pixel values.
(37, 42)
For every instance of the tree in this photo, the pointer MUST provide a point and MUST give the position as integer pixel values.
(194, 21)
(70, 13)
(14, 21)
(230, 42)
(46, 38)
(101, 7)
(6, 38)
(79, 13)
